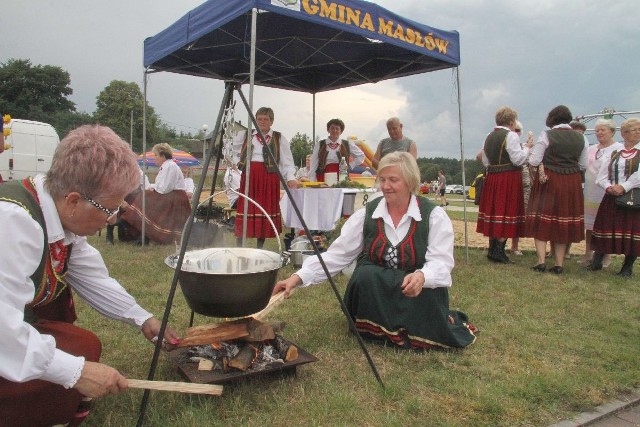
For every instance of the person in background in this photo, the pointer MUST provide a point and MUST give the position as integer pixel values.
(50, 367)
(264, 181)
(556, 206)
(189, 185)
(501, 212)
(616, 230)
(167, 203)
(526, 185)
(2, 119)
(232, 178)
(396, 142)
(605, 129)
(302, 174)
(403, 243)
(129, 198)
(578, 127)
(441, 189)
(328, 152)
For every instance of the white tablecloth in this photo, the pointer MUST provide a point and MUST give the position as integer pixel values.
(321, 208)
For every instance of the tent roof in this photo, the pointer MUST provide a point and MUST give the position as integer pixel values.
(304, 45)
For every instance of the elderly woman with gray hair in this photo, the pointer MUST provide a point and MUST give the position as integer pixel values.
(49, 364)
(605, 129)
(616, 230)
(403, 245)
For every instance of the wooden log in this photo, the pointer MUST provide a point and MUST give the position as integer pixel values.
(259, 331)
(206, 329)
(244, 358)
(205, 365)
(288, 351)
(223, 332)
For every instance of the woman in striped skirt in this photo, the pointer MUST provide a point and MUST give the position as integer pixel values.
(556, 207)
(264, 181)
(617, 230)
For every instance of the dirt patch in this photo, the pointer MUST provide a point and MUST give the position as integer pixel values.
(477, 240)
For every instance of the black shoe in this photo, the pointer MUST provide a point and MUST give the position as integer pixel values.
(627, 266)
(596, 262)
(624, 273)
(540, 268)
(556, 270)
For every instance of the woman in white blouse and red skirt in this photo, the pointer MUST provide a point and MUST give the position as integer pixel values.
(617, 230)
(264, 181)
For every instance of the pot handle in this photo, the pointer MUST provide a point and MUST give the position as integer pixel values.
(275, 230)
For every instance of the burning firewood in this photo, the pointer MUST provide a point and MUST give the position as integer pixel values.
(245, 358)
(214, 333)
(288, 351)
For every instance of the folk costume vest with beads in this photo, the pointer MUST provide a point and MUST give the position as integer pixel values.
(495, 148)
(408, 253)
(323, 153)
(632, 161)
(563, 160)
(273, 143)
(48, 279)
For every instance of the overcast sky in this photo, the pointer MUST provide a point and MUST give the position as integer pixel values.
(529, 54)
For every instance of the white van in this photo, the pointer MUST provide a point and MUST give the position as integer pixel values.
(31, 146)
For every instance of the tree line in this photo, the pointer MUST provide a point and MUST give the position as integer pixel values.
(40, 93)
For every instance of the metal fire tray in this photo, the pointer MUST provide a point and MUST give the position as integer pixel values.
(190, 372)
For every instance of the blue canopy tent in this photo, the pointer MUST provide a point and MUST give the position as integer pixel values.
(303, 45)
(308, 45)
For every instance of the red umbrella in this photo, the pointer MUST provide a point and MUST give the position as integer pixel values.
(182, 158)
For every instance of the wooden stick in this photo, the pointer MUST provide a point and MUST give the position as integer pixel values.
(212, 389)
(273, 303)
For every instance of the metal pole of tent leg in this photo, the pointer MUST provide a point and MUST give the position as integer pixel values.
(352, 325)
(464, 181)
(185, 238)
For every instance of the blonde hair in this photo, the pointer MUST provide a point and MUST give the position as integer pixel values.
(163, 150)
(408, 168)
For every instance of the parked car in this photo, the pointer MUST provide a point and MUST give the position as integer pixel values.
(449, 189)
(458, 189)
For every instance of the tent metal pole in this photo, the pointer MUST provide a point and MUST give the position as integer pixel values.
(252, 75)
(144, 158)
(464, 180)
(313, 128)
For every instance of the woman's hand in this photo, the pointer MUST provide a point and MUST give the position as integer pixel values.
(287, 285)
(615, 190)
(98, 380)
(413, 283)
(151, 328)
(294, 184)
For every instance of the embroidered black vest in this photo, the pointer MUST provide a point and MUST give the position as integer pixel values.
(630, 165)
(495, 148)
(410, 251)
(274, 144)
(563, 152)
(48, 278)
(344, 151)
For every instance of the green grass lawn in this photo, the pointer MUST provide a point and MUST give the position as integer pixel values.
(549, 347)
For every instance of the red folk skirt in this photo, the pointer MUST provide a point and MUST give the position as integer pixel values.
(556, 209)
(501, 213)
(329, 167)
(615, 230)
(40, 403)
(264, 188)
(166, 215)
